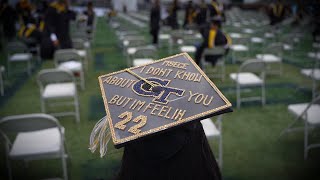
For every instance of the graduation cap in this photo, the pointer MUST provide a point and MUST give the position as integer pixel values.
(154, 98)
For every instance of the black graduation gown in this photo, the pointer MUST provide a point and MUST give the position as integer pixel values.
(202, 15)
(58, 23)
(172, 19)
(155, 23)
(180, 154)
(188, 12)
(8, 18)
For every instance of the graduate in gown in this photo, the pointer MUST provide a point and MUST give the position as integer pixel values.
(58, 19)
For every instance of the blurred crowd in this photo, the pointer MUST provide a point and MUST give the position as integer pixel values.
(43, 24)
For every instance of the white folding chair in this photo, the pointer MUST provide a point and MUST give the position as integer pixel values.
(310, 114)
(272, 55)
(239, 49)
(18, 52)
(189, 42)
(70, 59)
(314, 74)
(247, 77)
(2, 69)
(58, 85)
(83, 49)
(37, 136)
(219, 69)
(214, 131)
(143, 55)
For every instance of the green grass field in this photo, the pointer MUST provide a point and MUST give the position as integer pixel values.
(252, 148)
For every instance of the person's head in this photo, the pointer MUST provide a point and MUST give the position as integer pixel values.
(215, 22)
(89, 5)
(156, 2)
(189, 3)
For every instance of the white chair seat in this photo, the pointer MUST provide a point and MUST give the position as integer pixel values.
(2, 69)
(314, 74)
(42, 142)
(210, 128)
(82, 53)
(164, 36)
(188, 49)
(237, 24)
(198, 35)
(246, 78)
(316, 45)
(235, 35)
(142, 61)
(20, 57)
(248, 31)
(125, 43)
(313, 112)
(269, 35)
(73, 66)
(131, 50)
(239, 47)
(287, 47)
(59, 90)
(179, 41)
(268, 58)
(257, 40)
(86, 44)
(314, 55)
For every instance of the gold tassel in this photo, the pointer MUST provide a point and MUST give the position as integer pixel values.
(100, 135)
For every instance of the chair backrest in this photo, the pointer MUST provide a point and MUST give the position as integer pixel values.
(63, 55)
(16, 47)
(28, 122)
(274, 48)
(191, 39)
(145, 52)
(242, 40)
(78, 43)
(48, 76)
(136, 42)
(253, 65)
(217, 50)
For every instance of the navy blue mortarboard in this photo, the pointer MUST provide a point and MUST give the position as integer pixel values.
(154, 98)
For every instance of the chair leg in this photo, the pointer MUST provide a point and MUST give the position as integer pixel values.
(1, 85)
(43, 105)
(64, 166)
(263, 94)
(82, 80)
(220, 150)
(306, 133)
(77, 113)
(29, 67)
(9, 167)
(238, 96)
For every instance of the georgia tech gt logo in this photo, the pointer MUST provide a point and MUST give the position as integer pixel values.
(161, 95)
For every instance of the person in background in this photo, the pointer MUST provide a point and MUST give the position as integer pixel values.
(155, 21)
(172, 18)
(57, 20)
(213, 36)
(90, 16)
(24, 10)
(215, 9)
(276, 12)
(111, 14)
(8, 19)
(190, 15)
(202, 16)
